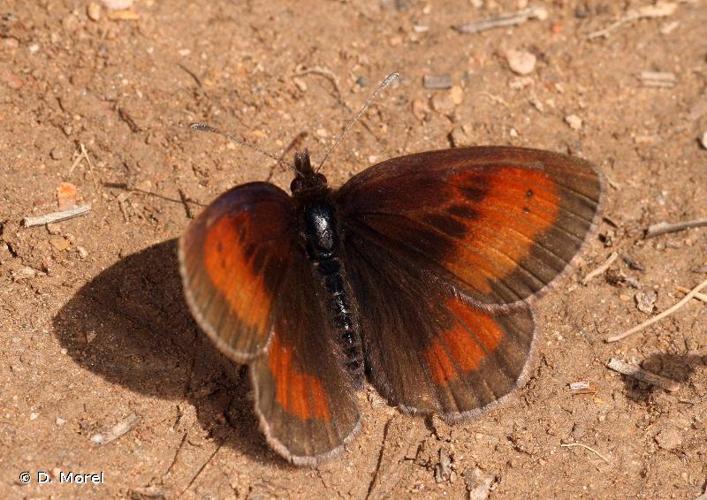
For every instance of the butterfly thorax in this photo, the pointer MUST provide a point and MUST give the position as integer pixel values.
(322, 240)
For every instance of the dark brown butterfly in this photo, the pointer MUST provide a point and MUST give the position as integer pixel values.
(416, 274)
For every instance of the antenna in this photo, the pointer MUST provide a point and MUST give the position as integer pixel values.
(204, 127)
(381, 86)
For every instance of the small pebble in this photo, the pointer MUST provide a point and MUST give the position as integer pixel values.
(93, 11)
(362, 81)
(703, 140)
(668, 439)
(437, 82)
(459, 136)
(83, 253)
(59, 243)
(645, 300)
(574, 121)
(456, 94)
(420, 109)
(117, 4)
(521, 62)
(56, 154)
(33, 416)
(60, 421)
(300, 84)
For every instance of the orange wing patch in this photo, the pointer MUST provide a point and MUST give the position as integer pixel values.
(463, 346)
(512, 207)
(298, 393)
(230, 267)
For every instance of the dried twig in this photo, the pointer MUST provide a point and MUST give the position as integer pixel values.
(185, 203)
(661, 9)
(119, 429)
(601, 268)
(662, 79)
(639, 373)
(70, 213)
(660, 316)
(664, 227)
(571, 445)
(503, 20)
(699, 296)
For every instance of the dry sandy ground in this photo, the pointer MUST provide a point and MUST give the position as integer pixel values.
(95, 332)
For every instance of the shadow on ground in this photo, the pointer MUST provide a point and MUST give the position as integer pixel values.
(131, 326)
(678, 367)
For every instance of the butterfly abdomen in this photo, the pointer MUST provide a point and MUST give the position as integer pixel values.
(322, 241)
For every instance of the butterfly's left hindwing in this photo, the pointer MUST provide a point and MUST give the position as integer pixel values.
(429, 350)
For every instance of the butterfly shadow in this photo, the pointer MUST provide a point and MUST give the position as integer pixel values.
(131, 326)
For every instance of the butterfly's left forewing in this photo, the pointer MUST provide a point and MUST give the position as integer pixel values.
(500, 222)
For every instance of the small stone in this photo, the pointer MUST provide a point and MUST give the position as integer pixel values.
(66, 194)
(93, 11)
(574, 121)
(456, 94)
(703, 140)
(300, 84)
(443, 469)
(420, 109)
(459, 136)
(34, 48)
(117, 4)
(56, 153)
(33, 416)
(60, 421)
(24, 273)
(669, 439)
(322, 132)
(478, 484)
(83, 253)
(442, 103)
(521, 62)
(59, 243)
(437, 82)
(645, 301)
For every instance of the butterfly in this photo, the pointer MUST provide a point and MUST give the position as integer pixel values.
(417, 275)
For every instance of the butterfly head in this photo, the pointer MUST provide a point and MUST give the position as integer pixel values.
(306, 182)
